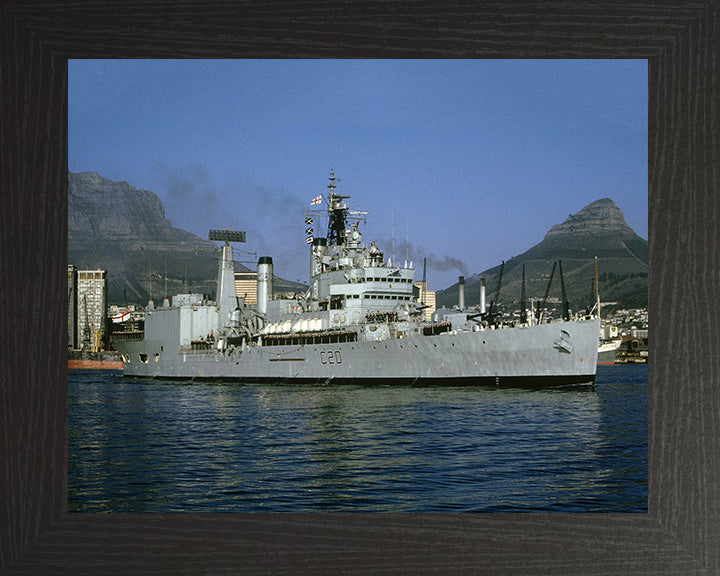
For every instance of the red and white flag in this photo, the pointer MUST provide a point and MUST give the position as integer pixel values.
(316, 200)
(122, 317)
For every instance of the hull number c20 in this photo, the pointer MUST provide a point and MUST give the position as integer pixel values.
(330, 357)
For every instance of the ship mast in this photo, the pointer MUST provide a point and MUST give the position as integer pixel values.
(337, 215)
(597, 288)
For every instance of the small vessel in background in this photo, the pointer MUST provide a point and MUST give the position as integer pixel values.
(89, 360)
(607, 351)
(92, 356)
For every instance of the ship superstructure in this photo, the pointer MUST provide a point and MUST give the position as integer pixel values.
(359, 321)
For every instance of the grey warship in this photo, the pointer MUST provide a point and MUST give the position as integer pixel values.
(360, 321)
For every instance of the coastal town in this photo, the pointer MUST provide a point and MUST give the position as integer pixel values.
(630, 328)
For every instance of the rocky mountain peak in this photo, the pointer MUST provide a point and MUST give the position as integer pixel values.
(100, 208)
(597, 218)
(115, 227)
(598, 230)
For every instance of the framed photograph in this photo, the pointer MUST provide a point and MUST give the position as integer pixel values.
(677, 533)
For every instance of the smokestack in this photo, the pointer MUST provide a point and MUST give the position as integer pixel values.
(425, 271)
(461, 293)
(264, 283)
(482, 295)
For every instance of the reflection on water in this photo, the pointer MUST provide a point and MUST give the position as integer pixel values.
(137, 445)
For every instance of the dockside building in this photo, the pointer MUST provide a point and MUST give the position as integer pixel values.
(87, 303)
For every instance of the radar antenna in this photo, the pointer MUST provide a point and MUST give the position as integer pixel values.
(226, 235)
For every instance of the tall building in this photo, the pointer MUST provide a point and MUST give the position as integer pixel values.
(246, 286)
(72, 307)
(426, 297)
(91, 318)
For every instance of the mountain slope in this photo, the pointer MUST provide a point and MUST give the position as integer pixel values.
(115, 227)
(599, 230)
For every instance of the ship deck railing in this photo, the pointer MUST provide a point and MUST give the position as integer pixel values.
(293, 339)
(436, 328)
(127, 336)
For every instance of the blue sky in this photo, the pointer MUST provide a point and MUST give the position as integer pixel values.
(463, 162)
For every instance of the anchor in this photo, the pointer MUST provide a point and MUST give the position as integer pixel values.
(564, 344)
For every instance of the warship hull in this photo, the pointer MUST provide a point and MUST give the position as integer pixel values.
(553, 354)
(362, 320)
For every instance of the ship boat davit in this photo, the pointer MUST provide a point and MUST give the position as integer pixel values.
(362, 320)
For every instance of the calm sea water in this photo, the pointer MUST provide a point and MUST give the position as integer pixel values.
(159, 446)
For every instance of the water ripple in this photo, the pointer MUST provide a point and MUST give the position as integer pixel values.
(138, 445)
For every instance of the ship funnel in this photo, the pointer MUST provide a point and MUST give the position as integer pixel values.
(461, 292)
(264, 283)
(482, 295)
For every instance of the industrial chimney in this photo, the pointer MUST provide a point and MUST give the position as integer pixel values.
(461, 293)
(482, 295)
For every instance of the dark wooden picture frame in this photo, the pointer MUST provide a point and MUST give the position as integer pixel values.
(681, 532)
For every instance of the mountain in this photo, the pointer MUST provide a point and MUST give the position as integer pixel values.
(123, 230)
(115, 227)
(599, 230)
